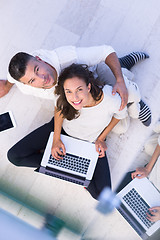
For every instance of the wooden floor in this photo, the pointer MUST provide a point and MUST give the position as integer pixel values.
(127, 25)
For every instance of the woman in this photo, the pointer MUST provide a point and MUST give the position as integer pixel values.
(86, 111)
(152, 148)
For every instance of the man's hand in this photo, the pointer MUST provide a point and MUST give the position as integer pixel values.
(58, 149)
(154, 214)
(140, 173)
(113, 62)
(122, 90)
(5, 86)
(100, 147)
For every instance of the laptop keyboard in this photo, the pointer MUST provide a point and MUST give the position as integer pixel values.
(138, 205)
(71, 162)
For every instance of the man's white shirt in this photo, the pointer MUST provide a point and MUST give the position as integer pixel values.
(61, 58)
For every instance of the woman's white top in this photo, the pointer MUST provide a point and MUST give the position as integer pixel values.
(93, 120)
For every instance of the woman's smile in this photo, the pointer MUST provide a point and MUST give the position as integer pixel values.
(77, 102)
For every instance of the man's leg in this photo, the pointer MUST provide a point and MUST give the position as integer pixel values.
(128, 62)
(131, 59)
(145, 114)
(27, 152)
(101, 178)
(106, 76)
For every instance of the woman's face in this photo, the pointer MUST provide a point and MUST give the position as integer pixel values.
(77, 92)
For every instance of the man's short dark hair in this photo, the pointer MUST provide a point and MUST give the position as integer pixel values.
(18, 64)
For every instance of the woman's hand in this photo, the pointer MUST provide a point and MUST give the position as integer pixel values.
(154, 214)
(100, 147)
(140, 172)
(58, 149)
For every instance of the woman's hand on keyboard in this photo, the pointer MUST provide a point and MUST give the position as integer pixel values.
(140, 172)
(58, 149)
(100, 147)
(154, 214)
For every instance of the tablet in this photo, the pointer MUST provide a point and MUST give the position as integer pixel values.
(7, 121)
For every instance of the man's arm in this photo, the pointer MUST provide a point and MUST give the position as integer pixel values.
(104, 53)
(5, 87)
(120, 87)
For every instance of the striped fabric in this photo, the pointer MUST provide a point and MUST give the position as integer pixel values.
(144, 114)
(131, 59)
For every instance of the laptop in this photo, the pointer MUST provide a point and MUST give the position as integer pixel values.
(136, 198)
(77, 166)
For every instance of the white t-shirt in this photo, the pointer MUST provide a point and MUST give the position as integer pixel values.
(159, 140)
(61, 58)
(93, 120)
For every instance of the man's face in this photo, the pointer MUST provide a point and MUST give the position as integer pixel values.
(39, 74)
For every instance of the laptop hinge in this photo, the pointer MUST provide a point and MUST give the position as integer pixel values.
(64, 176)
(132, 221)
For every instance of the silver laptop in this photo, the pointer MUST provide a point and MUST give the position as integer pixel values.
(77, 165)
(136, 198)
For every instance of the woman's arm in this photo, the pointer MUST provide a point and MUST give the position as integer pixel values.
(144, 171)
(100, 142)
(58, 148)
(154, 214)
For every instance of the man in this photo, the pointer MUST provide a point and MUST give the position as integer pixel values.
(37, 74)
(42, 70)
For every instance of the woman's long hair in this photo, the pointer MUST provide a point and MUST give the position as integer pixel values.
(80, 71)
